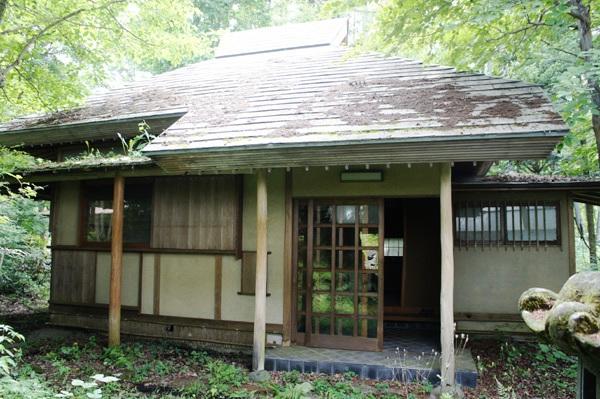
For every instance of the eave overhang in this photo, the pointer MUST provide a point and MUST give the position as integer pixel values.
(468, 148)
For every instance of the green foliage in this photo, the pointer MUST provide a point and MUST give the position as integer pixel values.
(223, 377)
(119, 357)
(295, 391)
(55, 51)
(9, 350)
(24, 258)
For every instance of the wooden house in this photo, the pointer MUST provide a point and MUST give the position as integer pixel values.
(300, 194)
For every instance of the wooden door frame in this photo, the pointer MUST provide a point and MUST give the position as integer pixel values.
(335, 341)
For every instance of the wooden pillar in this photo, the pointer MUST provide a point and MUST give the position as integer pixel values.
(116, 265)
(260, 292)
(447, 267)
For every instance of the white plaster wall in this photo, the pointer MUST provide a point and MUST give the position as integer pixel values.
(147, 294)
(66, 212)
(129, 282)
(491, 280)
(398, 180)
(241, 307)
(187, 285)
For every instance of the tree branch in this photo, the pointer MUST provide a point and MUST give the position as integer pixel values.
(32, 40)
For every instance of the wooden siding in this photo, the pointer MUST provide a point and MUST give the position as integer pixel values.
(73, 277)
(199, 212)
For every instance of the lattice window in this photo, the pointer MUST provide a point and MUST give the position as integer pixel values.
(478, 223)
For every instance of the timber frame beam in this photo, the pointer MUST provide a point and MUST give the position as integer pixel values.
(116, 268)
(447, 365)
(260, 298)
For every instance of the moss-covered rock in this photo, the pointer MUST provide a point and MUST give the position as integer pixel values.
(569, 319)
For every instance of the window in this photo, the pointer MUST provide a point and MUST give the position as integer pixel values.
(98, 210)
(393, 247)
(486, 224)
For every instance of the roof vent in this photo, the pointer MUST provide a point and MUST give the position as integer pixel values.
(331, 32)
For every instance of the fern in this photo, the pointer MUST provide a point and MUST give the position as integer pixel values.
(505, 392)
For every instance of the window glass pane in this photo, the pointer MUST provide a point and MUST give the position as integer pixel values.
(344, 326)
(551, 223)
(323, 214)
(344, 304)
(302, 213)
(137, 215)
(136, 220)
(321, 281)
(369, 259)
(344, 281)
(301, 323)
(301, 304)
(322, 236)
(345, 260)
(393, 247)
(368, 214)
(99, 221)
(345, 236)
(301, 262)
(321, 325)
(368, 283)
(322, 259)
(369, 237)
(301, 280)
(321, 303)
(346, 214)
(367, 328)
(367, 306)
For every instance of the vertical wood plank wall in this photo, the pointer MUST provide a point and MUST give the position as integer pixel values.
(198, 212)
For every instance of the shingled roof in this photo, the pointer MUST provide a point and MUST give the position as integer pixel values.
(271, 107)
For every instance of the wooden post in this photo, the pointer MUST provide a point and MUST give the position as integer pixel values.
(116, 266)
(260, 291)
(447, 291)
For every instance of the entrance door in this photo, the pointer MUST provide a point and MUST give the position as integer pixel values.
(338, 276)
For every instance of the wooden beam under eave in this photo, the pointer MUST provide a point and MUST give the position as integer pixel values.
(260, 292)
(447, 364)
(116, 266)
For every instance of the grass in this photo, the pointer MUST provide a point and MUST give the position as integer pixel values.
(83, 367)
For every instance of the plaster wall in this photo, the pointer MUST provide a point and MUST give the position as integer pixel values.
(241, 307)
(66, 213)
(398, 180)
(187, 285)
(129, 282)
(491, 280)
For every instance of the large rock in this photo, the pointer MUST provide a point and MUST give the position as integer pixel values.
(569, 319)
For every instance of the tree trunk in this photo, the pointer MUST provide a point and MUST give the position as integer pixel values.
(581, 12)
(591, 228)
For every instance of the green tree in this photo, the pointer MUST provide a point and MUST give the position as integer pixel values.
(55, 51)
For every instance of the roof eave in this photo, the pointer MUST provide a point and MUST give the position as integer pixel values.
(559, 133)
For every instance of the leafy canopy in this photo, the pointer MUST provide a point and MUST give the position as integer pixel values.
(55, 51)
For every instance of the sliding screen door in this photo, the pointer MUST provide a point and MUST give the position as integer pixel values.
(339, 273)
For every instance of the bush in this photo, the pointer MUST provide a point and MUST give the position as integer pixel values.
(24, 258)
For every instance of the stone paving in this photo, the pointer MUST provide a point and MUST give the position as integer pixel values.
(408, 354)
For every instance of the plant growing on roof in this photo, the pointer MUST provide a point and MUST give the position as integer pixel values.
(134, 145)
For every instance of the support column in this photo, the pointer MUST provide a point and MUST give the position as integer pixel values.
(116, 266)
(447, 292)
(260, 291)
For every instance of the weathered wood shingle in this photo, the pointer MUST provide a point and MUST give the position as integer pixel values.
(325, 97)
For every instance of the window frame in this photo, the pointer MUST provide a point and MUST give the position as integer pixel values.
(87, 191)
(502, 238)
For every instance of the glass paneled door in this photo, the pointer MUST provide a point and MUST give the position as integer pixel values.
(338, 273)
